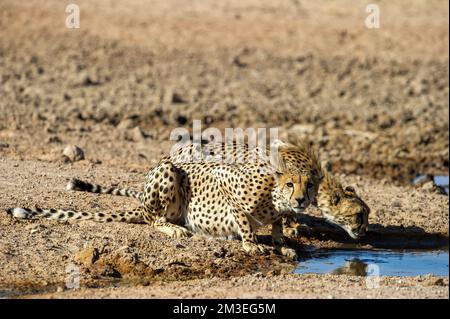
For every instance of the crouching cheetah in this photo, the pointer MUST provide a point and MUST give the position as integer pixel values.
(339, 205)
(212, 197)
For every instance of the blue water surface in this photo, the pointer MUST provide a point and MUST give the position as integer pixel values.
(370, 262)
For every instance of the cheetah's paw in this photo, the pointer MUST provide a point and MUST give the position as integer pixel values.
(288, 252)
(255, 249)
(181, 233)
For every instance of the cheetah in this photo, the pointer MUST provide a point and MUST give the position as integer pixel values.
(211, 197)
(339, 205)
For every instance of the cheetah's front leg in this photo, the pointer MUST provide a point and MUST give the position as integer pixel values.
(249, 241)
(280, 242)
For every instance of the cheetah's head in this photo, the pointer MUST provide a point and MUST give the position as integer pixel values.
(343, 207)
(297, 176)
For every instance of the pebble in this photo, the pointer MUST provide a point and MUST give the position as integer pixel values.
(138, 134)
(272, 273)
(220, 253)
(73, 153)
(396, 205)
(439, 282)
(126, 124)
(54, 139)
(87, 256)
(35, 228)
(177, 98)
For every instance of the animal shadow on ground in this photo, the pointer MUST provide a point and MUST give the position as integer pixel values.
(378, 236)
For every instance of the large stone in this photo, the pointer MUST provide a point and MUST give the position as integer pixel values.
(73, 153)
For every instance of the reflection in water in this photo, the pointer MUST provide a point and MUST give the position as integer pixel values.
(387, 262)
(353, 267)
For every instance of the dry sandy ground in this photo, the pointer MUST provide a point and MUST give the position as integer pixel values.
(374, 101)
(37, 255)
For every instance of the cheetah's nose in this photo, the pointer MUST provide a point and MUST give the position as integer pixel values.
(300, 201)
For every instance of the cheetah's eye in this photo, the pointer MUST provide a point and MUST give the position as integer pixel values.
(290, 185)
(309, 185)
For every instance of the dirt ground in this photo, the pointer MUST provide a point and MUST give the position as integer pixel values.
(374, 101)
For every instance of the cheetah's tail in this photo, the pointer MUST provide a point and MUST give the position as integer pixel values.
(78, 185)
(134, 216)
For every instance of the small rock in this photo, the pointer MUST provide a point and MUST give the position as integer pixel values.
(428, 187)
(145, 282)
(73, 153)
(87, 256)
(407, 116)
(90, 80)
(54, 139)
(36, 228)
(396, 204)
(420, 181)
(439, 282)
(386, 123)
(177, 98)
(238, 61)
(138, 134)
(126, 124)
(59, 289)
(272, 273)
(220, 253)
(181, 119)
(110, 271)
